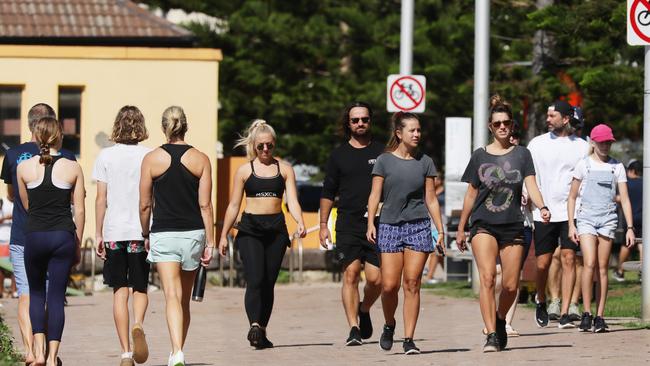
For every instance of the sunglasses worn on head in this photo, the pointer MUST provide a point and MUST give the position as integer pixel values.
(356, 120)
(269, 145)
(506, 123)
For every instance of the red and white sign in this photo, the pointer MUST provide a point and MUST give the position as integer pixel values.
(406, 93)
(638, 22)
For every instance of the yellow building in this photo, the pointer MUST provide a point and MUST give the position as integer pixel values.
(89, 58)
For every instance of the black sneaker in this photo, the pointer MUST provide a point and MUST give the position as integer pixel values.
(386, 339)
(365, 324)
(565, 322)
(355, 337)
(501, 332)
(264, 342)
(409, 347)
(585, 323)
(492, 343)
(541, 316)
(599, 325)
(255, 335)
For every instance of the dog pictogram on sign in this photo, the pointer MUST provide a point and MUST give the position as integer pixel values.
(406, 93)
(638, 22)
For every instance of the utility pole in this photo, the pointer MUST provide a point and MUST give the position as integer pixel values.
(481, 71)
(406, 38)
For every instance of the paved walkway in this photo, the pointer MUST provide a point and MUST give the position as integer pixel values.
(308, 328)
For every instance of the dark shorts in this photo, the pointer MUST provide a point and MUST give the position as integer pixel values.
(512, 233)
(548, 236)
(126, 265)
(353, 246)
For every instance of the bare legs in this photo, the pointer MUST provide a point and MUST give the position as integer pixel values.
(595, 251)
(25, 326)
(121, 313)
(568, 277)
(350, 290)
(177, 286)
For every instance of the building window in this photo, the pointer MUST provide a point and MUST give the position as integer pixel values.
(9, 117)
(70, 117)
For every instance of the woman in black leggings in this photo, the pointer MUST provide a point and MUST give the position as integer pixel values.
(262, 236)
(46, 182)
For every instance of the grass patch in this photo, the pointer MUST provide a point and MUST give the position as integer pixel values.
(455, 289)
(637, 325)
(283, 276)
(623, 299)
(8, 354)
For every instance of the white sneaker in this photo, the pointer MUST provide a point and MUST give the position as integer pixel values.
(554, 309)
(176, 360)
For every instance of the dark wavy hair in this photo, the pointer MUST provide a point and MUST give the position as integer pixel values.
(344, 123)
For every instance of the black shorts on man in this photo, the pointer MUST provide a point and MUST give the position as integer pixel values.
(548, 236)
(353, 246)
(125, 269)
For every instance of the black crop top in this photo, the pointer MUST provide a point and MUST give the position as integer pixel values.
(256, 186)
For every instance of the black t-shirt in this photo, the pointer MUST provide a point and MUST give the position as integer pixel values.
(349, 177)
(499, 180)
(635, 191)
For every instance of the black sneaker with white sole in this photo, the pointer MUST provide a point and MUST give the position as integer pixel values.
(355, 337)
(365, 324)
(409, 347)
(501, 332)
(255, 335)
(585, 323)
(599, 325)
(492, 343)
(565, 322)
(541, 315)
(386, 339)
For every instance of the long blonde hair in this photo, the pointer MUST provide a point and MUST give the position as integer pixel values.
(47, 133)
(257, 127)
(174, 123)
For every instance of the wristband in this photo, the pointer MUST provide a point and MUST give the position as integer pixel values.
(544, 208)
(146, 236)
(630, 228)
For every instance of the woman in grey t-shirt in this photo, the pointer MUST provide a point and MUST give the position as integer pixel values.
(404, 178)
(496, 175)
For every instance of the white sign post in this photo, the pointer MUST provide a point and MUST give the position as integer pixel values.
(638, 34)
(406, 93)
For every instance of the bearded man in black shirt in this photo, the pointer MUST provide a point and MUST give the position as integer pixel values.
(349, 177)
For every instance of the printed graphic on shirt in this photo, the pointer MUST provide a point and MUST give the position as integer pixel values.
(495, 177)
(24, 156)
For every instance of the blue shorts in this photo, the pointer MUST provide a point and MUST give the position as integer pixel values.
(414, 235)
(184, 247)
(597, 223)
(17, 257)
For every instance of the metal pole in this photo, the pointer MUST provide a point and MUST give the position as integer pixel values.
(406, 38)
(481, 71)
(645, 291)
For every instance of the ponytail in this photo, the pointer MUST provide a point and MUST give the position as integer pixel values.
(47, 133)
(174, 123)
(397, 123)
(257, 127)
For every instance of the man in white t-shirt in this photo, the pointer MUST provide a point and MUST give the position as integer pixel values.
(555, 155)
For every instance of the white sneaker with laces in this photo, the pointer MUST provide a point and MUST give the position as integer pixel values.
(177, 359)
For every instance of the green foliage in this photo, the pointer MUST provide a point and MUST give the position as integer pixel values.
(8, 354)
(298, 63)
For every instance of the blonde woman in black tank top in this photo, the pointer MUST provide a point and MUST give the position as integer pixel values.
(262, 237)
(182, 234)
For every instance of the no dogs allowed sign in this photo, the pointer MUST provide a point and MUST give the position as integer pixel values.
(405, 93)
(638, 22)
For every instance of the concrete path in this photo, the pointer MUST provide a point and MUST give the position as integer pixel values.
(308, 328)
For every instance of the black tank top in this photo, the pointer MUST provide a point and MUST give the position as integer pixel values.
(49, 205)
(176, 195)
(264, 186)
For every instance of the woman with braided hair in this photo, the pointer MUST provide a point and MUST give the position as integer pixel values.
(262, 237)
(46, 184)
(496, 174)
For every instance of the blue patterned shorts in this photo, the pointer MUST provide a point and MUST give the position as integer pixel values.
(414, 235)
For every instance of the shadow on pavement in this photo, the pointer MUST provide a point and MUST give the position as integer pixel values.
(536, 334)
(627, 330)
(303, 345)
(449, 350)
(541, 346)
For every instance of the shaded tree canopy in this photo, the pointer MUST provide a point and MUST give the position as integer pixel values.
(298, 63)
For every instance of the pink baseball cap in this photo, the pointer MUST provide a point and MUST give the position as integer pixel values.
(602, 133)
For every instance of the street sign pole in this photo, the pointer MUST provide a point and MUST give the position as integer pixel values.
(481, 71)
(645, 291)
(406, 38)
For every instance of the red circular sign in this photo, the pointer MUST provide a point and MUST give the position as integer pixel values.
(403, 93)
(634, 20)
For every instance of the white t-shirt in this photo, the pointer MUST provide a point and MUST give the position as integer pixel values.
(5, 225)
(119, 167)
(555, 159)
(580, 171)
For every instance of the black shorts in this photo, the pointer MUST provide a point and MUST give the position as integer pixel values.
(512, 233)
(124, 268)
(548, 236)
(353, 246)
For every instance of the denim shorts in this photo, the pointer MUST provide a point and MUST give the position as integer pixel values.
(17, 257)
(597, 222)
(185, 247)
(414, 235)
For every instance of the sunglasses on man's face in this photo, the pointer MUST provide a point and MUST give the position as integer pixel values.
(507, 123)
(356, 120)
(269, 145)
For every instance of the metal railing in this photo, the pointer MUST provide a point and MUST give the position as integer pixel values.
(297, 239)
(82, 265)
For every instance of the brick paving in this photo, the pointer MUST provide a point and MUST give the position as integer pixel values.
(308, 328)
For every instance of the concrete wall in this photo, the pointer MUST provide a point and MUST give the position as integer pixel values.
(150, 78)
